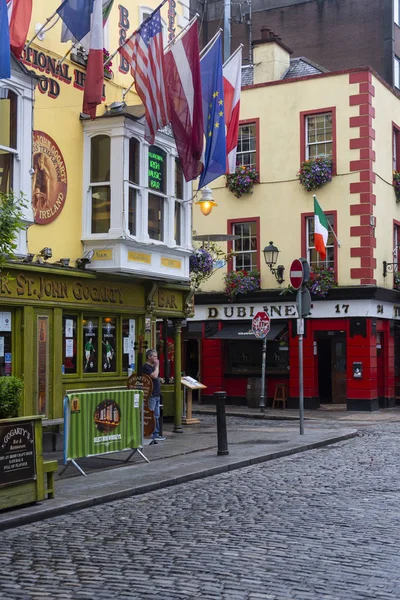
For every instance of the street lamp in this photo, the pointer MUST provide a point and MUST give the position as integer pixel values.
(271, 254)
(207, 201)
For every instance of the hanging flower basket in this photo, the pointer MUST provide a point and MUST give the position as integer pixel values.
(201, 262)
(107, 68)
(241, 282)
(396, 184)
(315, 172)
(242, 180)
(322, 279)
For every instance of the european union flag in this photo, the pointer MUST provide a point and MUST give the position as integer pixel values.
(212, 88)
(4, 42)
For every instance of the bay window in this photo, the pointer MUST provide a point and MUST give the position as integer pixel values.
(8, 138)
(100, 183)
(134, 180)
(157, 183)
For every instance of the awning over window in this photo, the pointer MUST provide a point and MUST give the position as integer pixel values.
(242, 331)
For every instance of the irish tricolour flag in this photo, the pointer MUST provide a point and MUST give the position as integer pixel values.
(320, 230)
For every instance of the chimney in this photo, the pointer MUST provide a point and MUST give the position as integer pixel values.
(271, 58)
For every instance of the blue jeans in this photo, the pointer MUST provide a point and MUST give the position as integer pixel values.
(154, 405)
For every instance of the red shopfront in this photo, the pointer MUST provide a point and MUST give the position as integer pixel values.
(349, 358)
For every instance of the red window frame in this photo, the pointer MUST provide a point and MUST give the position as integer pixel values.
(309, 113)
(304, 217)
(230, 224)
(256, 122)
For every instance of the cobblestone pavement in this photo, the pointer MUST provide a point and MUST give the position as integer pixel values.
(320, 525)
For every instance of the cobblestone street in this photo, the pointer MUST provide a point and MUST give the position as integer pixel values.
(320, 525)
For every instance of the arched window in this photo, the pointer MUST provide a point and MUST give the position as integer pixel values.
(100, 183)
(8, 137)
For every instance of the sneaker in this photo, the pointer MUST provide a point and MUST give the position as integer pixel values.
(160, 438)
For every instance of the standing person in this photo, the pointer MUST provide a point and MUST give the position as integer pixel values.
(152, 367)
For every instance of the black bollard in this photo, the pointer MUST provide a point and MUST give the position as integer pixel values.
(220, 398)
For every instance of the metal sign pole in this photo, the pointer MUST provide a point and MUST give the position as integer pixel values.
(301, 381)
(264, 358)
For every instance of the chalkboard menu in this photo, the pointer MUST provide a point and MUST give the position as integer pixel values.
(17, 453)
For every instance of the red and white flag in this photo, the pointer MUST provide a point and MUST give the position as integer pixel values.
(144, 53)
(232, 73)
(94, 81)
(19, 18)
(183, 83)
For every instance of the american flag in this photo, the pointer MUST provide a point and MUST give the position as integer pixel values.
(144, 53)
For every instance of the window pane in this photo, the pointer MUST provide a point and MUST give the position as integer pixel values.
(101, 209)
(128, 344)
(156, 217)
(6, 171)
(157, 169)
(178, 211)
(132, 211)
(8, 119)
(90, 344)
(134, 160)
(5, 341)
(178, 180)
(108, 343)
(100, 159)
(69, 344)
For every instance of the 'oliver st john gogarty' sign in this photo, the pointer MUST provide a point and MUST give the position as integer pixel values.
(17, 453)
(32, 286)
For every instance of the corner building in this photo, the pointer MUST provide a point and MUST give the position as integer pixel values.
(293, 110)
(105, 251)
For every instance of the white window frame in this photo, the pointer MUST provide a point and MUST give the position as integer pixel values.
(93, 185)
(253, 151)
(318, 143)
(396, 72)
(396, 12)
(253, 253)
(330, 247)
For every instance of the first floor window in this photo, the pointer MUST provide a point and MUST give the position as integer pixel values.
(101, 208)
(8, 138)
(246, 247)
(100, 149)
(319, 135)
(156, 217)
(6, 171)
(177, 223)
(246, 148)
(132, 210)
(396, 67)
(313, 256)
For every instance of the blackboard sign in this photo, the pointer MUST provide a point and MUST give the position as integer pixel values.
(17, 453)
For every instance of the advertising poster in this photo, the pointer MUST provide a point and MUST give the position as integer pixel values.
(106, 421)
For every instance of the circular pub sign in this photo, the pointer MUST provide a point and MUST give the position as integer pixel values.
(49, 180)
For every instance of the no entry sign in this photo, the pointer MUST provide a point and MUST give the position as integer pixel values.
(260, 325)
(296, 274)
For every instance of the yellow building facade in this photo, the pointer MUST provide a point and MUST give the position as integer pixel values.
(105, 252)
(288, 116)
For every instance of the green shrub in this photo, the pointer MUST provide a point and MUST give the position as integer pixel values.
(11, 389)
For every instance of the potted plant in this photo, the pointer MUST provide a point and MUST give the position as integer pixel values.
(396, 184)
(315, 172)
(11, 389)
(242, 180)
(241, 282)
(322, 279)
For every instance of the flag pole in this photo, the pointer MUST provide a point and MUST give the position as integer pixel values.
(74, 45)
(232, 55)
(109, 59)
(330, 227)
(39, 31)
(210, 43)
(172, 42)
(124, 93)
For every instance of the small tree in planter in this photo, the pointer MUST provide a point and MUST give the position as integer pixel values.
(322, 279)
(315, 172)
(241, 282)
(242, 180)
(11, 389)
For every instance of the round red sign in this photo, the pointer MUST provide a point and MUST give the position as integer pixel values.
(296, 274)
(261, 324)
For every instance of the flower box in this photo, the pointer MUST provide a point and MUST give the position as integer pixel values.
(241, 282)
(315, 172)
(242, 180)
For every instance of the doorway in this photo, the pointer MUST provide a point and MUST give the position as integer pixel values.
(332, 368)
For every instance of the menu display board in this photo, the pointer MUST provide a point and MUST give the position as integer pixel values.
(17, 453)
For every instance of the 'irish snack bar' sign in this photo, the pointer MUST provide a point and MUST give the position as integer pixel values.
(17, 453)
